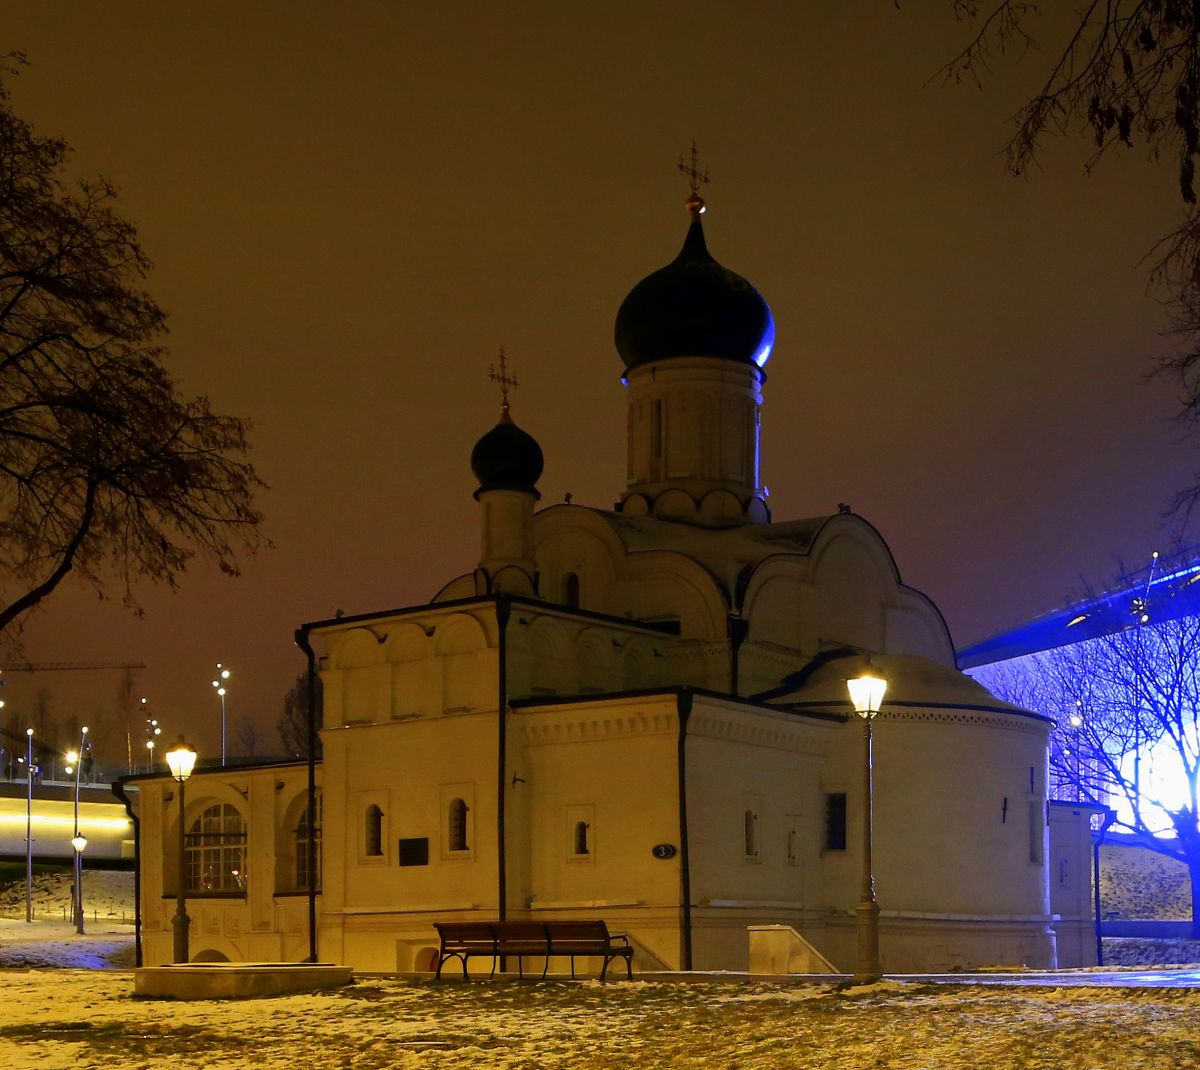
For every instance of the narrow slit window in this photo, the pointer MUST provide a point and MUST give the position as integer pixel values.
(751, 833)
(1036, 826)
(835, 821)
(571, 590)
(581, 838)
(373, 832)
(458, 825)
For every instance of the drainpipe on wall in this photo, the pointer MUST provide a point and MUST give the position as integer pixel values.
(118, 789)
(737, 628)
(302, 641)
(503, 611)
(683, 702)
(1109, 817)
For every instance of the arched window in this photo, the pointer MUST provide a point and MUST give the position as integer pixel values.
(458, 825)
(581, 838)
(302, 839)
(373, 832)
(751, 819)
(214, 850)
(571, 590)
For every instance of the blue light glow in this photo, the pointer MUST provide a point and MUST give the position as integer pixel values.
(768, 342)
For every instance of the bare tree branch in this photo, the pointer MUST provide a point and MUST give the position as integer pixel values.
(106, 470)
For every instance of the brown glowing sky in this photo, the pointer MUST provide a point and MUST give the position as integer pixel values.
(351, 206)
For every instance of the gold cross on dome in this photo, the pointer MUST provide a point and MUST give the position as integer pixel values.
(505, 381)
(696, 178)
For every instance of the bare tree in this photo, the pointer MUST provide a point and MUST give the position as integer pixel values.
(106, 470)
(248, 736)
(1127, 707)
(293, 721)
(1126, 73)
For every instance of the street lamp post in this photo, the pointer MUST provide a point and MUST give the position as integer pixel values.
(181, 759)
(866, 693)
(223, 675)
(78, 840)
(29, 829)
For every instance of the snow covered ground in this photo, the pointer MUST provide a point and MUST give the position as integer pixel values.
(87, 1020)
(55, 1017)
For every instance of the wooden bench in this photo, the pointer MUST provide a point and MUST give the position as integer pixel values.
(519, 939)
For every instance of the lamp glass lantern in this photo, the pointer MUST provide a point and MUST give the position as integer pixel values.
(181, 760)
(866, 692)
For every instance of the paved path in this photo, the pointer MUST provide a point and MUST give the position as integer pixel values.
(1165, 978)
(1105, 979)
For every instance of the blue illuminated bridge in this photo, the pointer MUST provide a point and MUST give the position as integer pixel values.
(1165, 590)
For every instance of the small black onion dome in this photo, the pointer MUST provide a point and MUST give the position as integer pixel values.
(507, 458)
(694, 308)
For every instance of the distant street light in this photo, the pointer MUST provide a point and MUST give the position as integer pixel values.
(867, 695)
(223, 675)
(78, 841)
(181, 759)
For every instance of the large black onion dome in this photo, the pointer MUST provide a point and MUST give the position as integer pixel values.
(694, 307)
(507, 458)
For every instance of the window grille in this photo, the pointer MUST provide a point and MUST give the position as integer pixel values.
(214, 850)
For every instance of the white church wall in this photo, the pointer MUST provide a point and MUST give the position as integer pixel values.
(754, 815)
(615, 760)
(411, 771)
(952, 798)
(610, 766)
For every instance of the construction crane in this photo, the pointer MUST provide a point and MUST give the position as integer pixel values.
(66, 666)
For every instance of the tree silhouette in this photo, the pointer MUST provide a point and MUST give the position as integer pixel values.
(106, 470)
(1126, 74)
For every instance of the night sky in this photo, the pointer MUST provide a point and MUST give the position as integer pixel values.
(351, 207)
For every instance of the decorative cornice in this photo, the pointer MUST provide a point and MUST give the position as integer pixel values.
(538, 729)
(743, 726)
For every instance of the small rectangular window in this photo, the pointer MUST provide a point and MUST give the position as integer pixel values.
(835, 821)
(750, 832)
(1036, 826)
(414, 852)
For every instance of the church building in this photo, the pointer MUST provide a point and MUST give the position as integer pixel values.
(636, 713)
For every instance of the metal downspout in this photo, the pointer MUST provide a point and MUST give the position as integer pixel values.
(737, 628)
(118, 789)
(503, 611)
(1109, 817)
(683, 702)
(302, 641)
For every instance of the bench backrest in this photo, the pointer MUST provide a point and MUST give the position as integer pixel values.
(487, 933)
(581, 931)
(465, 932)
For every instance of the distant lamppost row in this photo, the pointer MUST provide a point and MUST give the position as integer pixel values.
(866, 693)
(223, 675)
(181, 759)
(78, 841)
